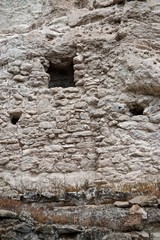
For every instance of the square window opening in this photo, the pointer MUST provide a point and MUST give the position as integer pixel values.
(61, 75)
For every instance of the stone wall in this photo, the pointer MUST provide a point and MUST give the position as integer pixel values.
(103, 128)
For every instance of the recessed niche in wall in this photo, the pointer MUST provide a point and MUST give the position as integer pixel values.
(81, 3)
(136, 109)
(14, 117)
(61, 75)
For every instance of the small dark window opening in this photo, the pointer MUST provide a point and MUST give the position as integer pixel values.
(61, 75)
(136, 109)
(14, 117)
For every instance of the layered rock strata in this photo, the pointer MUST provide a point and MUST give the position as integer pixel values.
(137, 218)
(80, 86)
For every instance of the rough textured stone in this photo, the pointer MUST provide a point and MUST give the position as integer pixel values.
(106, 127)
(121, 204)
(144, 200)
(80, 222)
(137, 209)
(133, 223)
(7, 214)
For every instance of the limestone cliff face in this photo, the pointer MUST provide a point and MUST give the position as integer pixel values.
(80, 86)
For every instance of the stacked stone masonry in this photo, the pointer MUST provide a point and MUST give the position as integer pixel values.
(106, 127)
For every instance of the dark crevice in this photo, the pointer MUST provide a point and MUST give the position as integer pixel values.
(14, 118)
(136, 109)
(68, 236)
(81, 3)
(61, 75)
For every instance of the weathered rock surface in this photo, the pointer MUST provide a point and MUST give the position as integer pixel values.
(7, 214)
(80, 117)
(80, 85)
(88, 222)
(144, 200)
(101, 121)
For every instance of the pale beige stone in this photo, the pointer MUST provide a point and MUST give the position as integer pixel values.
(86, 131)
(7, 214)
(122, 204)
(137, 209)
(144, 200)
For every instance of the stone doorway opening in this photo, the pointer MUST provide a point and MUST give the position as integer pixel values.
(61, 74)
